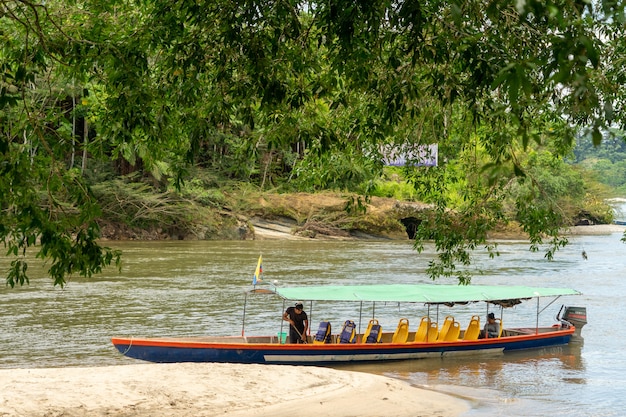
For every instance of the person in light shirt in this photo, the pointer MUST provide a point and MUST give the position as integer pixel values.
(491, 329)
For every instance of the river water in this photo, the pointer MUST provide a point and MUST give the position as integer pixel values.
(197, 288)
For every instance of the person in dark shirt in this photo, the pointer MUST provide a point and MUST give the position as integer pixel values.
(298, 323)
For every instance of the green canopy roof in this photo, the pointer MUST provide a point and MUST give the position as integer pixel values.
(419, 293)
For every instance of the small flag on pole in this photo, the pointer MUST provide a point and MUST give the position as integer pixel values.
(259, 270)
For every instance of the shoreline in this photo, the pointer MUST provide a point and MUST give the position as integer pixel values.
(598, 229)
(214, 389)
(265, 230)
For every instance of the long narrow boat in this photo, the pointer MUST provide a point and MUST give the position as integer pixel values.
(429, 339)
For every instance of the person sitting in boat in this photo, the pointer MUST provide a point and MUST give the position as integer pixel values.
(298, 323)
(492, 328)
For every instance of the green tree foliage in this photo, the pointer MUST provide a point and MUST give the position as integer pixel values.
(44, 202)
(607, 160)
(296, 92)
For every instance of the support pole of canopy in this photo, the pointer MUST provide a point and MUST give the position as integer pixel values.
(282, 322)
(550, 303)
(537, 323)
(310, 318)
(243, 320)
(360, 315)
(374, 310)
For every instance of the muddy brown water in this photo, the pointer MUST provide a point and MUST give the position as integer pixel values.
(197, 288)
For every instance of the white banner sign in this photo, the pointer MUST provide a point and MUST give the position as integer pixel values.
(411, 155)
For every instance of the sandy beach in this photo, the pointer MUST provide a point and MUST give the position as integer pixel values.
(211, 389)
(598, 229)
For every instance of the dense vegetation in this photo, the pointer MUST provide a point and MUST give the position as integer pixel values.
(607, 162)
(298, 95)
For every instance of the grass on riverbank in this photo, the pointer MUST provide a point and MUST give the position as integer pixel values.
(208, 207)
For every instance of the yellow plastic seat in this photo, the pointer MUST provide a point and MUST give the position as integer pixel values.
(421, 334)
(473, 329)
(433, 333)
(368, 330)
(373, 333)
(453, 332)
(401, 334)
(447, 324)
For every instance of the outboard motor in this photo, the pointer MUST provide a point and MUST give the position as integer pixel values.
(576, 316)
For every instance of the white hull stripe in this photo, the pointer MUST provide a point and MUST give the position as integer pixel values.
(303, 358)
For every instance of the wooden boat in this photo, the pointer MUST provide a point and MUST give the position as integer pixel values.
(427, 340)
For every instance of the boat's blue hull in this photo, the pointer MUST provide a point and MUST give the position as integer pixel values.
(187, 350)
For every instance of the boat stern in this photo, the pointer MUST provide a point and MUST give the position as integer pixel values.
(576, 316)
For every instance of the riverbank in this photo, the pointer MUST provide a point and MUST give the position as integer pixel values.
(254, 215)
(283, 230)
(210, 389)
(598, 229)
